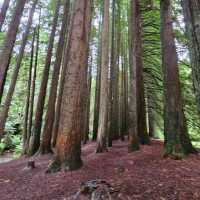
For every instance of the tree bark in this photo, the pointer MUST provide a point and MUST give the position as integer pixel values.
(191, 11)
(35, 139)
(3, 12)
(97, 89)
(87, 111)
(177, 141)
(102, 125)
(45, 146)
(135, 73)
(27, 108)
(68, 146)
(114, 78)
(32, 95)
(9, 42)
(6, 106)
(61, 86)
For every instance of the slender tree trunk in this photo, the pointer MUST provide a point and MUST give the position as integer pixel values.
(135, 65)
(26, 114)
(123, 106)
(97, 89)
(68, 146)
(9, 42)
(61, 86)
(45, 146)
(3, 12)
(191, 11)
(35, 139)
(151, 115)
(87, 112)
(177, 141)
(102, 135)
(114, 128)
(6, 106)
(32, 95)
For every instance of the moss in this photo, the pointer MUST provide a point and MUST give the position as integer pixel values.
(174, 151)
(67, 165)
(54, 166)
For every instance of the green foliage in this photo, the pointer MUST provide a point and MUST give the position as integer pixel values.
(2, 148)
(11, 143)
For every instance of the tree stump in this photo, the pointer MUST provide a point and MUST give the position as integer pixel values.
(31, 164)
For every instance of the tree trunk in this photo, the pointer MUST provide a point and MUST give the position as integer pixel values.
(123, 100)
(61, 86)
(102, 136)
(35, 139)
(26, 114)
(177, 141)
(3, 12)
(151, 115)
(135, 73)
(45, 146)
(87, 111)
(6, 106)
(191, 13)
(68, 146)
(136, 63)
(9, 42)
(97, 89)
(114, 80)
(32, 96)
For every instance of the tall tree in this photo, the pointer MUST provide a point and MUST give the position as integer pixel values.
(35, 139)
(5, 109)
(102, 126)
(124, 91)
(27, 107)
(45, 146)
(33, 85)
(3, 12)
(114, 80)
(86, 118)
(97, 87)
(177, 141)
(68, 146)
(142, 124)
(9, 42)
(61, 86)
(135, 73)
(191, 11)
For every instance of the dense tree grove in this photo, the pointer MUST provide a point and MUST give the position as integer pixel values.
(74, 71)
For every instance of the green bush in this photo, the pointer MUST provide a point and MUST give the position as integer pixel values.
(11, 143)
(2, 148)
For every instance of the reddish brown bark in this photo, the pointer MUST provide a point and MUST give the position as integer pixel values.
(60, 87)
(68, 146)
(35, 139)
(45, 146)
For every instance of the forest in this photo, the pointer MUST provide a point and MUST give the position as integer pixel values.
(99, 99)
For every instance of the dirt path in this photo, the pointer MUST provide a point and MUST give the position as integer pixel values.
(142, 175)
(6, 158)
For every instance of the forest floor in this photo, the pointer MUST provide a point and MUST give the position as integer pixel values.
(142, 175)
